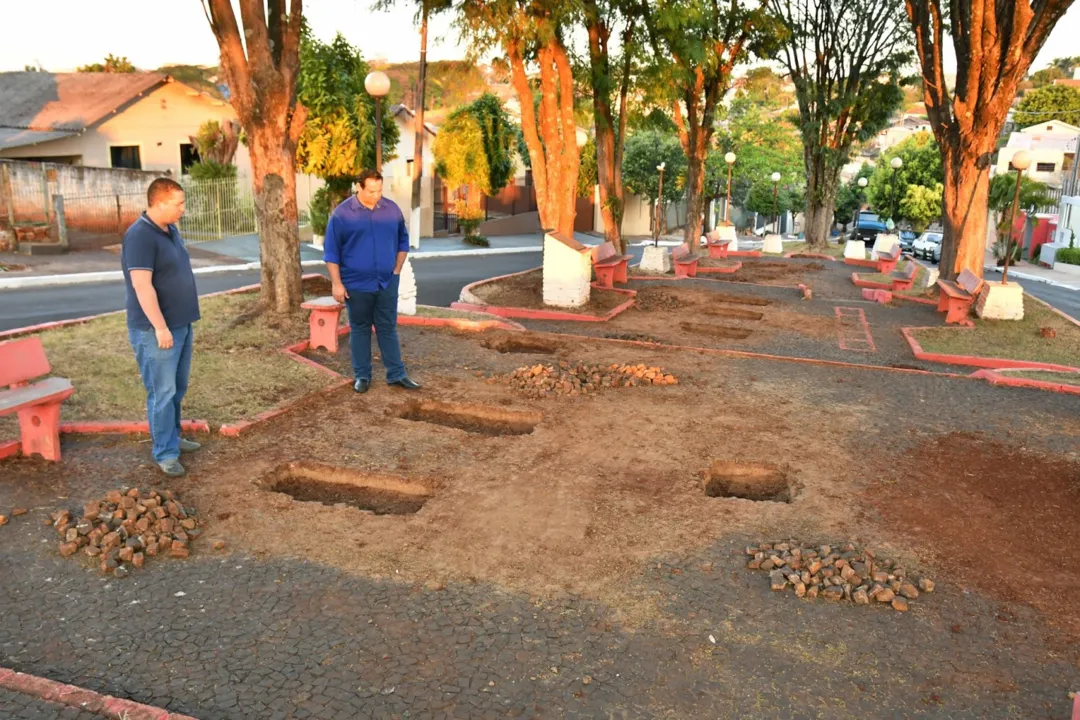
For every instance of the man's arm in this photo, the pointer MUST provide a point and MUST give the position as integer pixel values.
(403, 244)
(332, 258)
(142, 282)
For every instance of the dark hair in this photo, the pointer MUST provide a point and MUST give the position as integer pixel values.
(161, 188)
(368, 175)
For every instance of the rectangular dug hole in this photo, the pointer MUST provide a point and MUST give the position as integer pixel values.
(379, 494)
(480, 419)
(749, 481)
(720, 331)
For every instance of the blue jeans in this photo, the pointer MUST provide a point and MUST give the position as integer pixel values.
(165, 375)
(378, 309)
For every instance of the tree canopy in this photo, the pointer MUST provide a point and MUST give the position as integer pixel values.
(644, 152)
(338, 140)
(1053, 102)
(475, 148)
(921, 168)
(111, 65)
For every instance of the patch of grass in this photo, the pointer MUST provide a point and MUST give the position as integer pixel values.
(236, 369)
(441, 312)
(836, 251)
(916, 288)
(1012, 339)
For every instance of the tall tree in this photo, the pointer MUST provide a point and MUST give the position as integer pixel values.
(338, 140)
(425, 9)
(921, 168)
(600, 19)
(261, 67)
(533, 30)
(696, 44)
(844, 58)
(995, 44)
(646, 150)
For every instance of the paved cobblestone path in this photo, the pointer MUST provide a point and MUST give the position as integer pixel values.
(239, 638)
(17, 706)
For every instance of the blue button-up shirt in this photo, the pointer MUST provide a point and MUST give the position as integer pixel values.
(365, 243)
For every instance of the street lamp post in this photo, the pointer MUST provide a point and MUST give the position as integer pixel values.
(659, 197)
(862, 183)
(775, 194)
(896, 163)
(377, 85)
(730, 160)
(1020, 161)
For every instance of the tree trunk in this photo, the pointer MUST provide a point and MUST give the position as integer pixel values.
(606, 168)
(695, 196)
(822, 185)
(421, 83)
(274, 177)
(964, 212)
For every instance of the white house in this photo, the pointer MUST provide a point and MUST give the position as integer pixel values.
(1052, 147)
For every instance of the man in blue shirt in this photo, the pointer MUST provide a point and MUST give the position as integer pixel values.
(364, 248)
(162, 303)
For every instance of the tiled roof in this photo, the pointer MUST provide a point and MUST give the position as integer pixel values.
(68, 101)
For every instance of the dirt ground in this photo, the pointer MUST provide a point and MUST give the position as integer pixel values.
(526, 291)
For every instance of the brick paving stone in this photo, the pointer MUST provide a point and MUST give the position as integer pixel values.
(19, 706)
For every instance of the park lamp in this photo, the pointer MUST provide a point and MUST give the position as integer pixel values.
(659, 195)
(730, 158)
(377, 85)
(1021, 161)
(863, 182)
(775, 177)
(896, 163)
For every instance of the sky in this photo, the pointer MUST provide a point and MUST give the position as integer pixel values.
(81, 32)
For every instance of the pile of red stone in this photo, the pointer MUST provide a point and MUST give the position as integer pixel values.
(128, 526)
(848, 573)
(571, 379)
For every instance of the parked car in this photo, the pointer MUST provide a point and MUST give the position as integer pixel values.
(907, 239)
(866, 226)
(927, 246)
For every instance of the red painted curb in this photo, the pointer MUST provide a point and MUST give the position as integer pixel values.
(10, 449)
(914, 299)
(745, 253)
(531, 314)
(973, 361)
(234, 429)
(121, 427)
(83, 699)
(877, 295)
(725, 271)
(861, 262)
(994, 377)
(809, 256)
(859, 282)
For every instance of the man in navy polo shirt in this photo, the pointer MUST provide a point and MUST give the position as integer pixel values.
(364, 248)
(162, 303)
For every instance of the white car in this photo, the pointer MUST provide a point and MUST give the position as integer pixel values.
(927, 246)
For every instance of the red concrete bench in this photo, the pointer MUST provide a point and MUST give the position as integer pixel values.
(37, 404)
(904, 279)
(887, 259)
(323, 322)
(957, 297)
(609, 265)
(717, 248)
(685, 262)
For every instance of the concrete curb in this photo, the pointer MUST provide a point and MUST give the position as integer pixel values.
(82, 699)
(34, 281)
(991, 363)
(1001, 378)
(1028, 276)
(470, 302)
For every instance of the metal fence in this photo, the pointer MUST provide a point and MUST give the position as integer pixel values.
(96, 221)
(218, 209)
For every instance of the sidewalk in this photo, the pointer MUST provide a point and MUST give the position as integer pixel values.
(1029, 271)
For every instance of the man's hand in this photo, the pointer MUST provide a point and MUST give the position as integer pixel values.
(164, 338)
(339, 292)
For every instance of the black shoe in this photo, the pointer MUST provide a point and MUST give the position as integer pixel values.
(406, 383)
(361, 385)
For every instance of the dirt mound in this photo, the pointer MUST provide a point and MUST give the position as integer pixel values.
(567, 379)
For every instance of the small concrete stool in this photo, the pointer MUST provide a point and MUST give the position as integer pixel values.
(323, 322)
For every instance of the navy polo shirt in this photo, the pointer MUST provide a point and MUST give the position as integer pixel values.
(365, 243)
(147, 247)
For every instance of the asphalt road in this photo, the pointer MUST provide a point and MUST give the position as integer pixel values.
(439, 282)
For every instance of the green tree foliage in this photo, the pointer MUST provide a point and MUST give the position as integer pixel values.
(845, 61)
(764, 140)
(111, 65)
(587, 170)
(475, 148)
(1033, 193)
(338, 140)
(1047, 76)
(921, 205)
(760, 199)
(922, 167)
(644, 152)
(1053, 102)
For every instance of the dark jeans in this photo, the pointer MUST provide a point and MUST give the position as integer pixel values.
(165, 376)
(378, 309)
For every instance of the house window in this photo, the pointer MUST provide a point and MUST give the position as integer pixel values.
(1045, 167)
(188, 157)
(125, 156)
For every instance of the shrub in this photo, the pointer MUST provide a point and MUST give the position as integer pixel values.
(319, 211)
(1069, 256)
